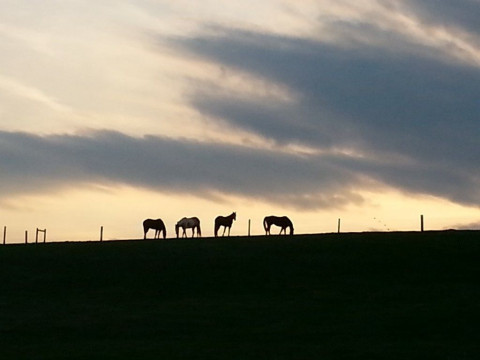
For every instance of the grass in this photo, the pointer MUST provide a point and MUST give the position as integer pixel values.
(335, 296)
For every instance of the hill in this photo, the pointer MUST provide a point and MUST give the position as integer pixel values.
(331, 296)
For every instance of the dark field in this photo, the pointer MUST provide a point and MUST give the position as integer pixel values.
(337, 296)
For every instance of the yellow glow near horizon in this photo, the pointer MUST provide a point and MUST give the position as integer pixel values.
(77, 215)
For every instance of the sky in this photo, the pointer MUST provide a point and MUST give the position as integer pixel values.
(112, 112)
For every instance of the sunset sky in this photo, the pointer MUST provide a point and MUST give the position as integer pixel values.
(116, 111)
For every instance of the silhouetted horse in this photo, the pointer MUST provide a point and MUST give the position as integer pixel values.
(226, 222)
(188, 223)
(281, 221)
(157, 225)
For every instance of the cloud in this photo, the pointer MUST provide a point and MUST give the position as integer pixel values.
(32, 94)
(448, 13)
(51, 163)
(32, 164)
(471, 226)
(413, 108)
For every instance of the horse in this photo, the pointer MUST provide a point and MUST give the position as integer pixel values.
(281, 221)
(157, 225)
(226, 222)
(186, 223)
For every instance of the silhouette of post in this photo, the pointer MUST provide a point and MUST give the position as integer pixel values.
(249, 224)
(4, 235)
(101, 233)
(421, 223)
(26, 236)
(44, 231)
(339, 225)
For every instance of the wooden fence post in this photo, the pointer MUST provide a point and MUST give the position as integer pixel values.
(421, 223)
(101, 233)
(44, 231)
(26, 236)
(339, 226)
(249, 223)
(4, 235)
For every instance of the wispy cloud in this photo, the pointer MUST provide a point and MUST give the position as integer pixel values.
(32, 94)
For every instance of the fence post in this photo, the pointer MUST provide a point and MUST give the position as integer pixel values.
(4, 235)
(44, 231)
(101, 233)
(249, 223)
(339, 226)
(26, 236)
(421, 223)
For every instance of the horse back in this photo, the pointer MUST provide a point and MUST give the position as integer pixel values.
(153, 224)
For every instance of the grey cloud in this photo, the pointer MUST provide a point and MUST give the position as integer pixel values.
(369, 99)
(32, 164)
(461, 13)
(39, 164)
(471, 226)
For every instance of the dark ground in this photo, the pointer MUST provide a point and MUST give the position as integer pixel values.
(335, 296)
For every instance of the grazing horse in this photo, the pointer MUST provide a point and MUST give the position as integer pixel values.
(187, 223)
(281, 221)
(226, 222)
(157, 225)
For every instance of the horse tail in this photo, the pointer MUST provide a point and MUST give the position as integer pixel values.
(265, 225)
(164, 232)
(290, 224)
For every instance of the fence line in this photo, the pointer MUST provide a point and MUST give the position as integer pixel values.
(44, 231)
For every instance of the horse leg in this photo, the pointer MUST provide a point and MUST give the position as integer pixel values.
(229, 231)
(224, 228)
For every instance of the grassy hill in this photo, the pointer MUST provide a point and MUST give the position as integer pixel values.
(335, 296)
